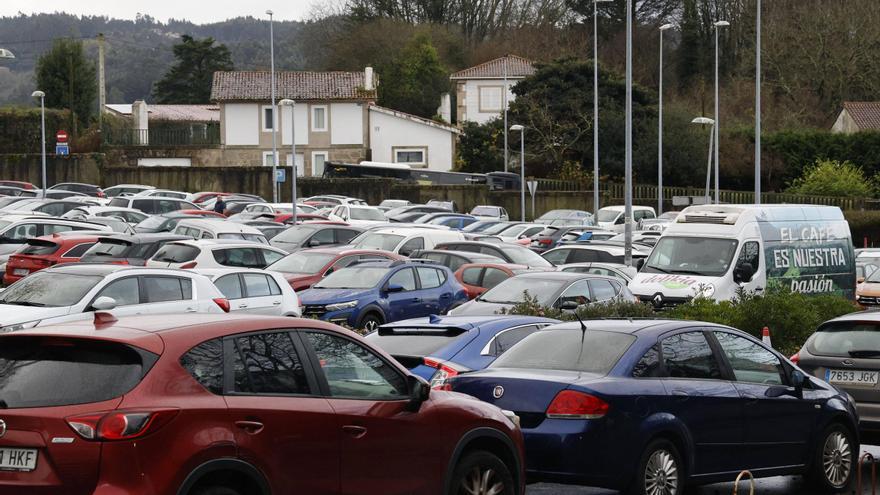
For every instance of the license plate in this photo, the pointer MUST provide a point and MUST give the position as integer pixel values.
(18, 459)
(852, 377)
(21, 272)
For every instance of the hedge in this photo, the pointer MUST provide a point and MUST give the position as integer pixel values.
(20, 129)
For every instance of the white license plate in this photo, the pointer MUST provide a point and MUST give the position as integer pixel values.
(21, 272)
(852, 377)
(18, 459)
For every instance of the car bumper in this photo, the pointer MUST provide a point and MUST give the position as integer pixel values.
(348, 317)
(572, 451)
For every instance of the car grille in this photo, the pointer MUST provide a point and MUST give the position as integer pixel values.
(314, 310)
(665, 302)
(869, 300)
(530, 419)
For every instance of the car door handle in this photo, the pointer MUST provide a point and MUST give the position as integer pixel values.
(680, 395)
(251, 427)
(276, 303)
(242, 306)
(445, 296)
(750, 397)
(190, 310)
(355, 431)
(416, 299)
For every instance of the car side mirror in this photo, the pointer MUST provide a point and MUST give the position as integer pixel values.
(419, 392)
(394, 288)
(797, 390)
(743, 273)
(104, 303)
(640, 263)
(569, 306)
(860, 280)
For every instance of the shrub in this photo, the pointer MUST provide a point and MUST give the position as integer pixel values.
(833, 178)
(864, 224)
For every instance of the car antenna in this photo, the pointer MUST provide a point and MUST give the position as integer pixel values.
(583, 334)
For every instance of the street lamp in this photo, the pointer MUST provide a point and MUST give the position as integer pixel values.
(707, 121)
(4, 53)
(287, 102)
(274, 109)
(718, 26)
(522, 169)
(758, 106)
(628, 194)
(660, 128)
(596, 105)
(42, 96)
(504, 102)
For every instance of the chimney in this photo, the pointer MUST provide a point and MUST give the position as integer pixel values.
(445, 110)
(140, 119)
(368, 79)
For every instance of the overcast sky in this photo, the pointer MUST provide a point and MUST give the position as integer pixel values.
(198, 11)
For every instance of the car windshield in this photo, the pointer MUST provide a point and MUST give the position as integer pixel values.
(41, 289)
(860, 339)
(491, 211)
(384, 242)
(38, 248)
(367, 214)
(594, 351)
(110, 249)
(354, 277)
(608, 215)
(152, 222)
(554, 214)
(302, 262)
(525, 256)
(691, 256)
(514, 290)
(412, 342)
(481, 226)
(297, 234)
(873, 273)
(496, 228)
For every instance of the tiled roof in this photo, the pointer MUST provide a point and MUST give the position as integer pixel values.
(866, 114)
(257, 86)
(416, 118)
(517, 67)
(189, 113)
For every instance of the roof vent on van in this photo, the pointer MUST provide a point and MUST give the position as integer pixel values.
(718, 218)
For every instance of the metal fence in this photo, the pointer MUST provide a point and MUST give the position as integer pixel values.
(198, 134)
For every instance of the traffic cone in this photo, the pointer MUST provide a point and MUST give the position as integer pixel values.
(765, 337)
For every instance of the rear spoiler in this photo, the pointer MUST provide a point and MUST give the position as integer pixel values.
(433, 330)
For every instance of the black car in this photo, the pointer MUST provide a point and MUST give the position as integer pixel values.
(551, 236)
(510, 253)
(128, 249)
(312, 235)
(454, 259)
(87, 189)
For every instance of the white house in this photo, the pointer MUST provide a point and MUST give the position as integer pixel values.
(480, 89)
(857, 116)
(397, 137)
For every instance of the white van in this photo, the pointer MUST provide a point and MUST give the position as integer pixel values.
(611, 217)
(714, 250)
(219, 229)
(404, 241)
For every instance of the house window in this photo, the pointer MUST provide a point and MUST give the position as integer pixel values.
(319, 118)
(268, 158)
(491, 98)
(411, 156)
(267, 120)
(319, 158)
(300, 164)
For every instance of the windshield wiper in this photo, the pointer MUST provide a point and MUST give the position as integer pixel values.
(24, 303)
(687, 272)
(864, 353)
(661, 270)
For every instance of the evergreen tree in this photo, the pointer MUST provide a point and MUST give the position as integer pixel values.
(413, 81)
(69, 79)
(690, 49)
(189, 79)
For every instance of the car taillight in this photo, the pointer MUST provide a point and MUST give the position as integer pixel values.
(570, 404)
(120, 425)
(545, 242)
(186, 266)
(446, 371)
(795, 358)
(223, 303)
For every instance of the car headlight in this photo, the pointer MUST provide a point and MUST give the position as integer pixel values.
(19, 326)
(341, 306)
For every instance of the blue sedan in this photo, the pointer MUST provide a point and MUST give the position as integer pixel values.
(371, 293)
(438, 348)
(652, 406)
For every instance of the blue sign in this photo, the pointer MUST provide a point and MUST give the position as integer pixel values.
(280, 175)
(62, 149)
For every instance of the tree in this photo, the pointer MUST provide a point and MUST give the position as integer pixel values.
(69, 80)
(189, 79)
(690, 48)
(833, 178)
(413, 81)
(481, 147)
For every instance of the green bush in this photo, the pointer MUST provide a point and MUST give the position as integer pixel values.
(833, 178)
(863, 224)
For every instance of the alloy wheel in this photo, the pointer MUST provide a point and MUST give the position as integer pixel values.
(371, 325)
(481, 481)
(661, 474)
(836, 459)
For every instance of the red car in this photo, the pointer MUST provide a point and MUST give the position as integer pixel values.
(236, 405)
(203, 213)
(477, 278)
(300, 217)
(43, 252)
(17, 183)
(304, 268)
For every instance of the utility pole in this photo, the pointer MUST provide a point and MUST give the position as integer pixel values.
(758, 108)
(275, 118)
(102, 90)
(504, 99)
(628, 193)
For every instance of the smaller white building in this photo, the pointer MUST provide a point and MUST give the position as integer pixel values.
(857, 116)
(480, 89)
(398, 137)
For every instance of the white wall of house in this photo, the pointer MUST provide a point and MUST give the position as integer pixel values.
(484, 98)
(241, 124)
(395, 138)
(302, 124)
(844, 124)
(346, 123)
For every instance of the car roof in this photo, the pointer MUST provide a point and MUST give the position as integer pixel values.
(224, 243)
(646, 326)
(144, 238)
(219, 225)
(552, 275)
(101, 269)
(467, 322)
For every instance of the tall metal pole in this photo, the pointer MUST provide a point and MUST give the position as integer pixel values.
(506, 157)
(709, 162)
(660, 130)
(43, 132)
(718, 26)
(758, 108)
(293, 158)
(628, 197)
(274, 111)
(102, 90)
(595, 110)
(522, 174)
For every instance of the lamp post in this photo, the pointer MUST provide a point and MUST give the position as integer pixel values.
(707, 121)
(504, 102)
(758, 106)
(287, 102)
(274, 109)
(718, 26)
(42, 96)
(596, 105)
(522, 169)
(628, 199)
(660, 128)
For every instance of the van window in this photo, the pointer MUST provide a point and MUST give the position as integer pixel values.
(749, 254)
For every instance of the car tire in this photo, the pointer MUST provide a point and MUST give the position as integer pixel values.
(660, 464)
(482, 473)
(835, 461)
(216, 490)
(370, 322)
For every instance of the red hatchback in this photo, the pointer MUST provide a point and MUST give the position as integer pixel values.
(305, 268)
(43, 252)
(236, 405)
(477, 278)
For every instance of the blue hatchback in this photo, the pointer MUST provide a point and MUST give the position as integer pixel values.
(369, 294)
(652, 406)
(438, 348)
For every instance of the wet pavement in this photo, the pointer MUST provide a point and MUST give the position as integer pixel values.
(780, 485)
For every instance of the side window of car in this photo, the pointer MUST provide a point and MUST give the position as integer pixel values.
(688, 355)
(257, 285)
(404, 278)
(207, 235)
(603, 290)
(750, 362)
(78, 250)
(270, 256)
(343, 236)
(322, 237)
(471, 276)
(353, 371)
(124, 291)
(506, 339)
(23, 231)
(584, 256)
(162, 289)
(230, 286)
(557, 256)
(267, 363)
(412, 245)
(578, 292)
(455, 262)
(147, 206)
(429, 277)
(493, 277)
(205, 363)
(649, 365)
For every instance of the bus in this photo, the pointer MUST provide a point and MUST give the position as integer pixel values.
(405, 173)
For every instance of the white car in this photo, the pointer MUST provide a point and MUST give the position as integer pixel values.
(405, 241)
(205, 228)
(252, 291)
(486, 212)
(15, 230)
(125, 190)
(130, 215)
(205, 253)
(161, 193)
(118, 289)
(362, 216)
(336, 199)
(611, 217)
